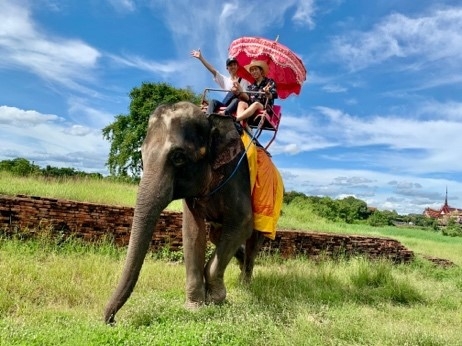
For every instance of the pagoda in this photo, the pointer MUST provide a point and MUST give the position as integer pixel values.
(444, 212)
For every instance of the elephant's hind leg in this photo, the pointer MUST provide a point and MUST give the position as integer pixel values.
(252, 247)
(240, 256)
(214, 283)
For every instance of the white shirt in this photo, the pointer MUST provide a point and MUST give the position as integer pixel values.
(226, 83)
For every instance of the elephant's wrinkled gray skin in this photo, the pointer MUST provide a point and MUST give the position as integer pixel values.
(186, 155)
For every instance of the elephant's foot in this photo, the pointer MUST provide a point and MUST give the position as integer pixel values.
(195, 296)
(192, 305)
(216, 293)
(110, 320)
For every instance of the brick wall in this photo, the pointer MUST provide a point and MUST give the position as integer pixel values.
(30, 215)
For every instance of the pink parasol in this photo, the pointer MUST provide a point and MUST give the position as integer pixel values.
(285, 67)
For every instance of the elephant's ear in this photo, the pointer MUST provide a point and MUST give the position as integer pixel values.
(225, 141)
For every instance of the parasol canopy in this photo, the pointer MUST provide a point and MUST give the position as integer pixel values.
(285, 67)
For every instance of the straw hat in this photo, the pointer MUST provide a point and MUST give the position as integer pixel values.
(259, 63)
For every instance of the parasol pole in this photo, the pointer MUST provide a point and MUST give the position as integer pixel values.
(277, 38)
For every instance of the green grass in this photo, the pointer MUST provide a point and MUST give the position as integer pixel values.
(54, 292)
(85, 190)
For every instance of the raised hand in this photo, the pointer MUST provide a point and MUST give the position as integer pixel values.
(196, 54)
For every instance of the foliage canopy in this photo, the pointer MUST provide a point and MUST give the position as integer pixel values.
(22, 167)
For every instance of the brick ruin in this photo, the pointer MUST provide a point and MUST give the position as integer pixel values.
(31, 215)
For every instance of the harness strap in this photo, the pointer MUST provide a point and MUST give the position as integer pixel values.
(223, 182)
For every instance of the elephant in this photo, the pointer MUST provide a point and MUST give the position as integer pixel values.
(200, 159)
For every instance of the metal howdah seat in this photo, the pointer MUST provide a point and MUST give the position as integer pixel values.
(259, 121)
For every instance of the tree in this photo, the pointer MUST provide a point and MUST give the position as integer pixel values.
(291, 195)
(452, 228)
(324, 207)
(19, 167)
(382, 218)
(351, 209)
(127, 132)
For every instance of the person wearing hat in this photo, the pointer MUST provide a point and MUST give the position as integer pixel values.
(260, 94)
(233, 83)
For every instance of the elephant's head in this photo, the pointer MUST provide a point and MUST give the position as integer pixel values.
(181, 148)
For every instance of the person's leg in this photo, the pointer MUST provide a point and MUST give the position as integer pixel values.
(232, 107)
(213, 105)
(241, 107)
(249, 111)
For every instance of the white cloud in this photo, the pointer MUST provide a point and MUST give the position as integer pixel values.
(77, 130)
(305, 13)
(405, 145)
(123, 5)
(334, 88)
(48, 139)
(20, 118)
(23, 46)
(451, 110)
(152, 66)
(434, 38)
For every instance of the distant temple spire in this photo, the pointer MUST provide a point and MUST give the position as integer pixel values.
(446, 199)
(445, 210)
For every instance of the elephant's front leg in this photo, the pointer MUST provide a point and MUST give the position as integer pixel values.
(233, 235)
(194, 246)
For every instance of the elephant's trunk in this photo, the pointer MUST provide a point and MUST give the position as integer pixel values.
(154, 194)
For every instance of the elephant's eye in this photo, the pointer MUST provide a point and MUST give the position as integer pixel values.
(178, 158)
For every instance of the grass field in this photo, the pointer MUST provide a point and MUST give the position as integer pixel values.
(54, 293)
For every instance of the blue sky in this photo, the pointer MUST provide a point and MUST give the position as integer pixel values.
(379, 117)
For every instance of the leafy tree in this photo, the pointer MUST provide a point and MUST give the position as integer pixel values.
(452, 229)
(422, 221)
(19, 166)
(351, 209)
(22, 167)
(324, 207)
(381, 218)
(127, 132)
(291, 195)
(68, 172)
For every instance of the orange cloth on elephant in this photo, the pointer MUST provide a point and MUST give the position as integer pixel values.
(267, 188)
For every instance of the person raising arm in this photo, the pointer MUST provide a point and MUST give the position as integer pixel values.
(233, 83)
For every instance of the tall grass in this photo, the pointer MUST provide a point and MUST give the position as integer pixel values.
(54, 294)
(85, 190)
(79, 189)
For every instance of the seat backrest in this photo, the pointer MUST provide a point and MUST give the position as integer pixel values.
(276, 117)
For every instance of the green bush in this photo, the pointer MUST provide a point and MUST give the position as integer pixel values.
(452, 229)
(20, 167)
(380, 218)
